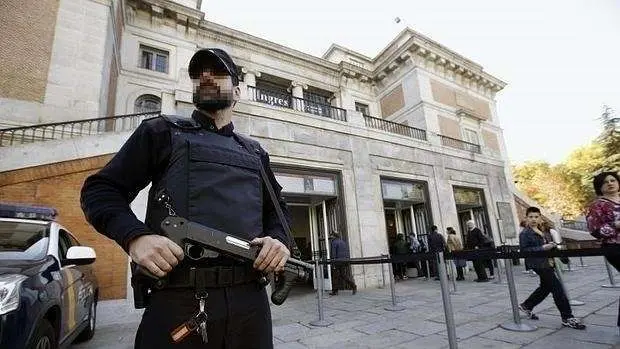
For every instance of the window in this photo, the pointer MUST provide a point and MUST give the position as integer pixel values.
(153, 59)
(64, 242)
(362, 108)
(470, 136)
(147, 104)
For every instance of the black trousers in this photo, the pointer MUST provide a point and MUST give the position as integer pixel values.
(549, 283)
(459, 273)
(614, 260)
(479, 267)
(342, 278)
(239, 317)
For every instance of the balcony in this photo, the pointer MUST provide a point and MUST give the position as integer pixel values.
(71, 129)
(394, 127)
(459, 144)
(286, 100)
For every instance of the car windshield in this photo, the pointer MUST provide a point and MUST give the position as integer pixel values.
(22, 240)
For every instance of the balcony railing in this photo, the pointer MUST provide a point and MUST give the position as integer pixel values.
(286, 100)
(394, 127)
(576, 225)
(70, 129)
(459, 144)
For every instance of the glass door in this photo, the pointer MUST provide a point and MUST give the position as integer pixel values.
(320, 241)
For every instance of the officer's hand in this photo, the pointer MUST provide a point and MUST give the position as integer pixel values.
(549, 246)
(272, 256)
(156, 253)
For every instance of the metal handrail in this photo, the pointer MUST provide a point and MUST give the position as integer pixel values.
(70, 129)
(575, 225)
(286, 100)
(460, 144)
(394, 127)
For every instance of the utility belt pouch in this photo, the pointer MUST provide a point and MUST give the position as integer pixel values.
(141, 287)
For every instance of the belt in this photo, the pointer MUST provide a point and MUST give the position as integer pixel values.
(212, 276)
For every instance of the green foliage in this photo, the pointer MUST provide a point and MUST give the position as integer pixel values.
(566, 188)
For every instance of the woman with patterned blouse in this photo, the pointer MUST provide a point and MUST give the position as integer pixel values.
(604, 215)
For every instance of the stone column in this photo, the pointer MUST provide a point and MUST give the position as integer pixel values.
(297, 90)
(249, 83)
(168, 103)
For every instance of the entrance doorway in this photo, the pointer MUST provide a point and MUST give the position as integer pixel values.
(316, 210)
(471, 205)
(406, 210)
(310, 229)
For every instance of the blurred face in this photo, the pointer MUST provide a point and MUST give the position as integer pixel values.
(610, 186)
(533, 219)
(214, 90)
(470, 225)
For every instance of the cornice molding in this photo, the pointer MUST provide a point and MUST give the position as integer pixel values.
(418, 50)
(165, 8)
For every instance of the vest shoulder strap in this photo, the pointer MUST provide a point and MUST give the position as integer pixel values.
(182, 122)
(249, 144)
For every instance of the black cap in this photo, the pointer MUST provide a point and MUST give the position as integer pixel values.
(214, 58)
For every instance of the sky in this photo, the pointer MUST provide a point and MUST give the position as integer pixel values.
(560, 59)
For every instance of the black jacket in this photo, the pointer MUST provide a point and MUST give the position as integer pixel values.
(475, 238)
(436, 242)
(530, 241)
(107, 194)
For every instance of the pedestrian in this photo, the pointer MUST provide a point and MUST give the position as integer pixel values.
(476, 241)
(210, 175)
(400, 249)
(341, 273)
(436, 244)
(454, 245)
(533, 239)
(603, 216)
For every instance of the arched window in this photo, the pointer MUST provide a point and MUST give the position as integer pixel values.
(147, 104)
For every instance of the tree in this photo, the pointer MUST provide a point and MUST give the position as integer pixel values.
(554, 187)
(609, 139)
(583, 163)
(566, 188)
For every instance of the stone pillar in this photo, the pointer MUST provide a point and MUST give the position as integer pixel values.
(249, 83)
(297, 90)
(346, 101)
(168, 103)
(356, 118)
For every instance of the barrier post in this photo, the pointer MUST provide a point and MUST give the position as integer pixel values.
(447, 304)
(610, 273)
(383, 271)
(558, 271)
(500, 270)
(581, 262)
(452, 270)
(428, 270)
(393, 306)
(321, 322)
(516, 324)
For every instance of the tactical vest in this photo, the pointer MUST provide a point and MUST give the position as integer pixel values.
(210, 179)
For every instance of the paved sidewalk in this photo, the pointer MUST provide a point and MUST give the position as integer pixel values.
(361, 321)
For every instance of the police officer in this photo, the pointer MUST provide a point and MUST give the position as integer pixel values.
(210, 175)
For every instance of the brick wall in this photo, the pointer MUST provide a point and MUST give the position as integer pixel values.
(27, 29)
(58, 185)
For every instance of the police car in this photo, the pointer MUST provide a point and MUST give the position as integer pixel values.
(48, 290)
